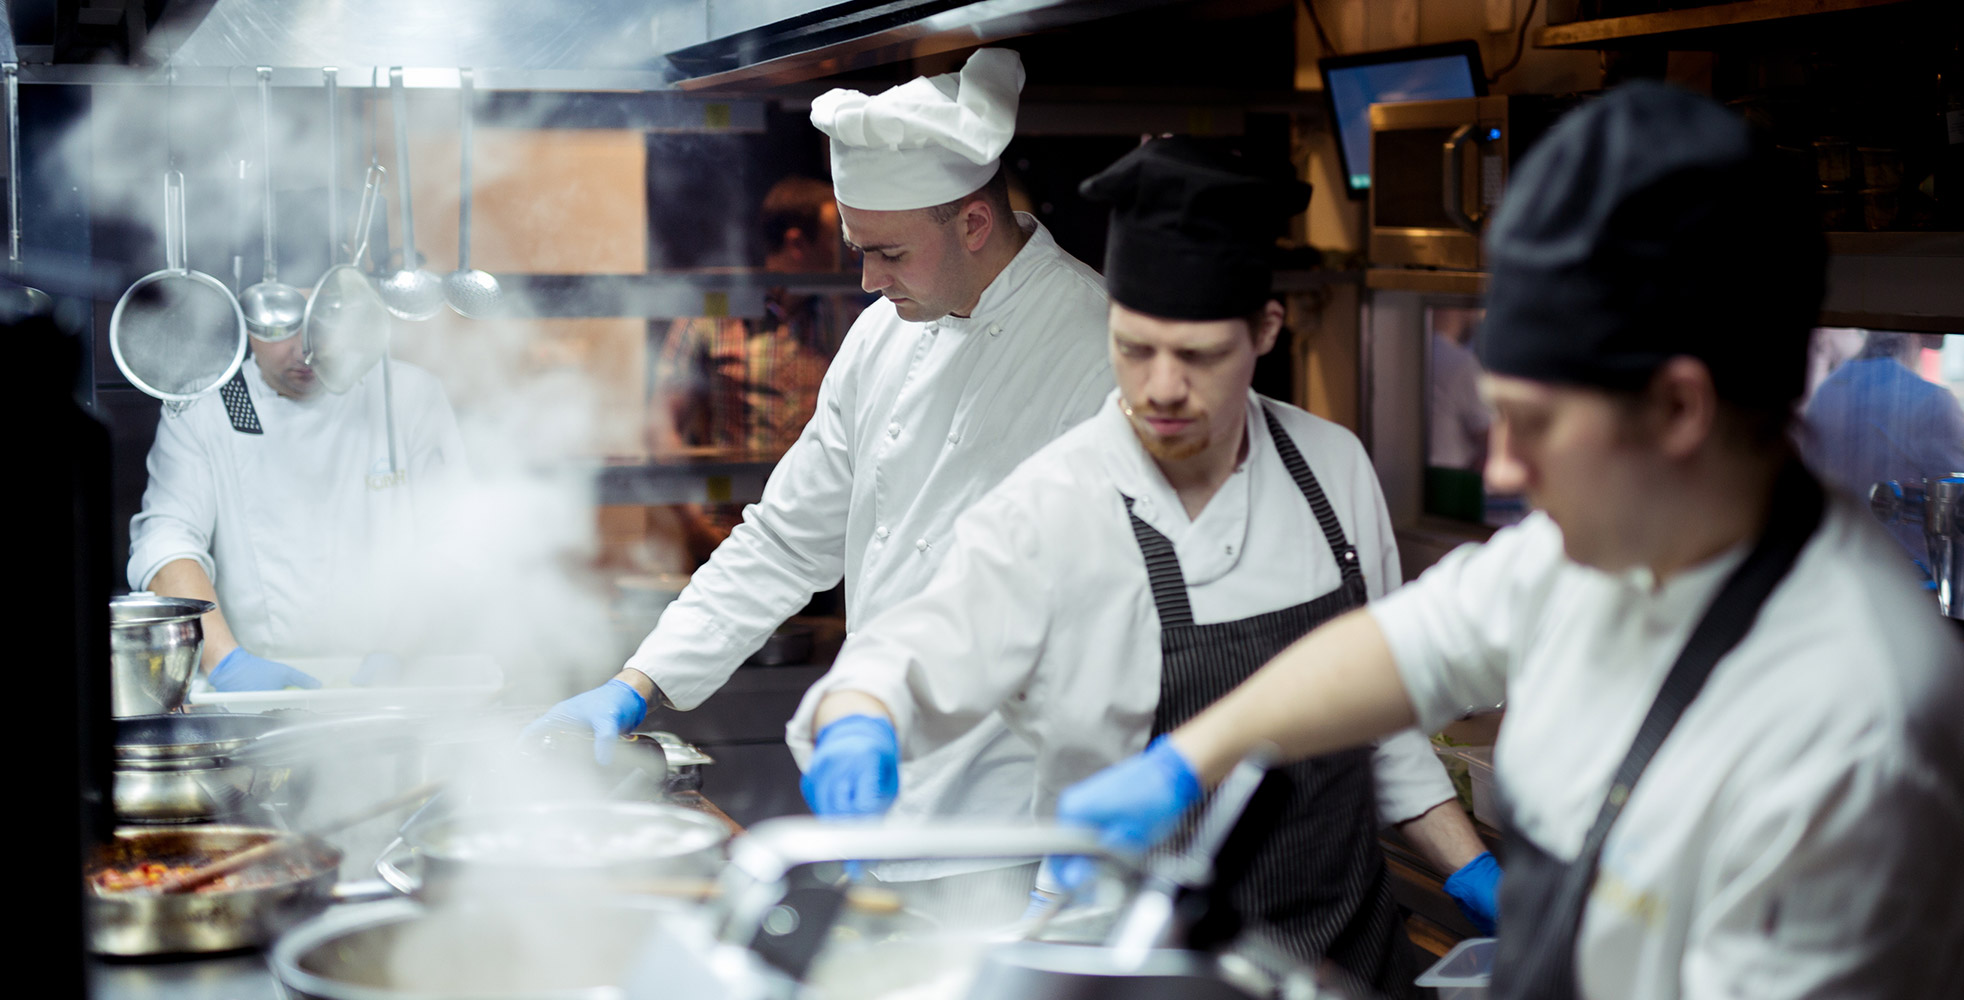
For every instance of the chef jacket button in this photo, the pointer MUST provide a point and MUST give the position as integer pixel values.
(933, 328)
(921, 544)
(893, 430)
(995, 329)
(954, 438)
(881, 532)
(1230, 550)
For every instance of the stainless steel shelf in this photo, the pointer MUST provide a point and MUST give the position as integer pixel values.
(711, 481)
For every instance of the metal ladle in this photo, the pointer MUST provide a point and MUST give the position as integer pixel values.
(412, 292)
(474, 294)
(18, 301)
(273, 309)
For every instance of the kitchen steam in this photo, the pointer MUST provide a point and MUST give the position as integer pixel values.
(500, 561)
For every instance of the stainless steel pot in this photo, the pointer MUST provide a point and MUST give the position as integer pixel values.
(515, 949)
(181, 768)
(144, 923)
(606, 847)
(154, 643)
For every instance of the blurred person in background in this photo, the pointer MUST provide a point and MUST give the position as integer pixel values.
(987, 342)
(1874, 419)
(274, 498)
(742, 387)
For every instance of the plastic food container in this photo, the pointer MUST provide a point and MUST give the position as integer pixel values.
(1479, 767)
(1464, 972)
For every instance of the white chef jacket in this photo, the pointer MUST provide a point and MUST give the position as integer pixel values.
(1798, 833)
(915, 421)
(296, 526)
(1044, 607)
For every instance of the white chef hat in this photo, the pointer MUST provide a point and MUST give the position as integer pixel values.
(926, 142)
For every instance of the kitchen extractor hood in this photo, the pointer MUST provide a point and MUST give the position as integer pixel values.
(717, 44)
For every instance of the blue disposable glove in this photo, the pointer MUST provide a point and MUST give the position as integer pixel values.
(242, 671)
(1476, 888)
(611, 710)
(1133, 804)
(855, 768)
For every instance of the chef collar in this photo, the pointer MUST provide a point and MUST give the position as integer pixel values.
(1134, 474)
(1193, 228)
(926, 142)
(1647, 225)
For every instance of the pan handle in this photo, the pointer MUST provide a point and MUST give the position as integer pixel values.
(389, 869)
(175, 251)
(399, 104)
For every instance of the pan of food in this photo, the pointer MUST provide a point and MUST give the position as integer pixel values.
(245, 909)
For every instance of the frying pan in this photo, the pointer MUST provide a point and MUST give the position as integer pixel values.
(177, 334)
(129, 923)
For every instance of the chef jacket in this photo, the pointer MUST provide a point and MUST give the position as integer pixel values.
(1796, 835)
(915, 421)
(296, 526)
(1044, 607)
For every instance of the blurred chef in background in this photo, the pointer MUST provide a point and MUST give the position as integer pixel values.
(276, 500)
(988, 342)
(750, 386)
(1874, 419)
(1144, 564)
(1731, 763)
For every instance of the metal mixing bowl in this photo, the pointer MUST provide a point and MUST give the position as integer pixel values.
(154, 644)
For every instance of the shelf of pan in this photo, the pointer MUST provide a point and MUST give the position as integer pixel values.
(706, 477)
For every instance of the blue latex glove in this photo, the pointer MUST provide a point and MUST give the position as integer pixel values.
(1133, 804)
(855, 768)
(1476, 888)
(242, 671)
(611, 710)
(378, 670)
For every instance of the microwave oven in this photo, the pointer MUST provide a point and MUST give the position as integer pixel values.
(1438, 169)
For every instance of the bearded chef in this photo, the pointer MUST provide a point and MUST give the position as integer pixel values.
(1149, 560)
(277, 501)
(1731, 760)
(987, 342)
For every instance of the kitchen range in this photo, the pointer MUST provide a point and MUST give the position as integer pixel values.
(805, 500)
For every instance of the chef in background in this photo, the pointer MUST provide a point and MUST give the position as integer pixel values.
(1731, 761)
(1874, 419)
(276, 500)
(1148, 561)
(988, 342)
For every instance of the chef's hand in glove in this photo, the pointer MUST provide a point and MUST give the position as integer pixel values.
(611, 710)
(855, 768)
(1476, 888)
(1133, 804)
(242, 671)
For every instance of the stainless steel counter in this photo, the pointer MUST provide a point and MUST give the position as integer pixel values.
(237, 976)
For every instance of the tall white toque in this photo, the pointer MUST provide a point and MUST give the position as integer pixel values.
(926, 142)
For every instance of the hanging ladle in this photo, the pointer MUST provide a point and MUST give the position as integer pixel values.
(273, 309)
(18, 301)
(474, 294)
(411, 293)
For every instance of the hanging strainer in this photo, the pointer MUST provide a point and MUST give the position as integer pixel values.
(347, 326)
(177, 334)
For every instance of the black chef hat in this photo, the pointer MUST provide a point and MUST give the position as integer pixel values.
(1648, 224)
(1193, 229)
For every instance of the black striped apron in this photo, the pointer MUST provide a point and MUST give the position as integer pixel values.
(1317, 880)
(1543, 897)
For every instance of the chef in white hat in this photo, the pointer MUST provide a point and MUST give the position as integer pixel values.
(988, 341)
